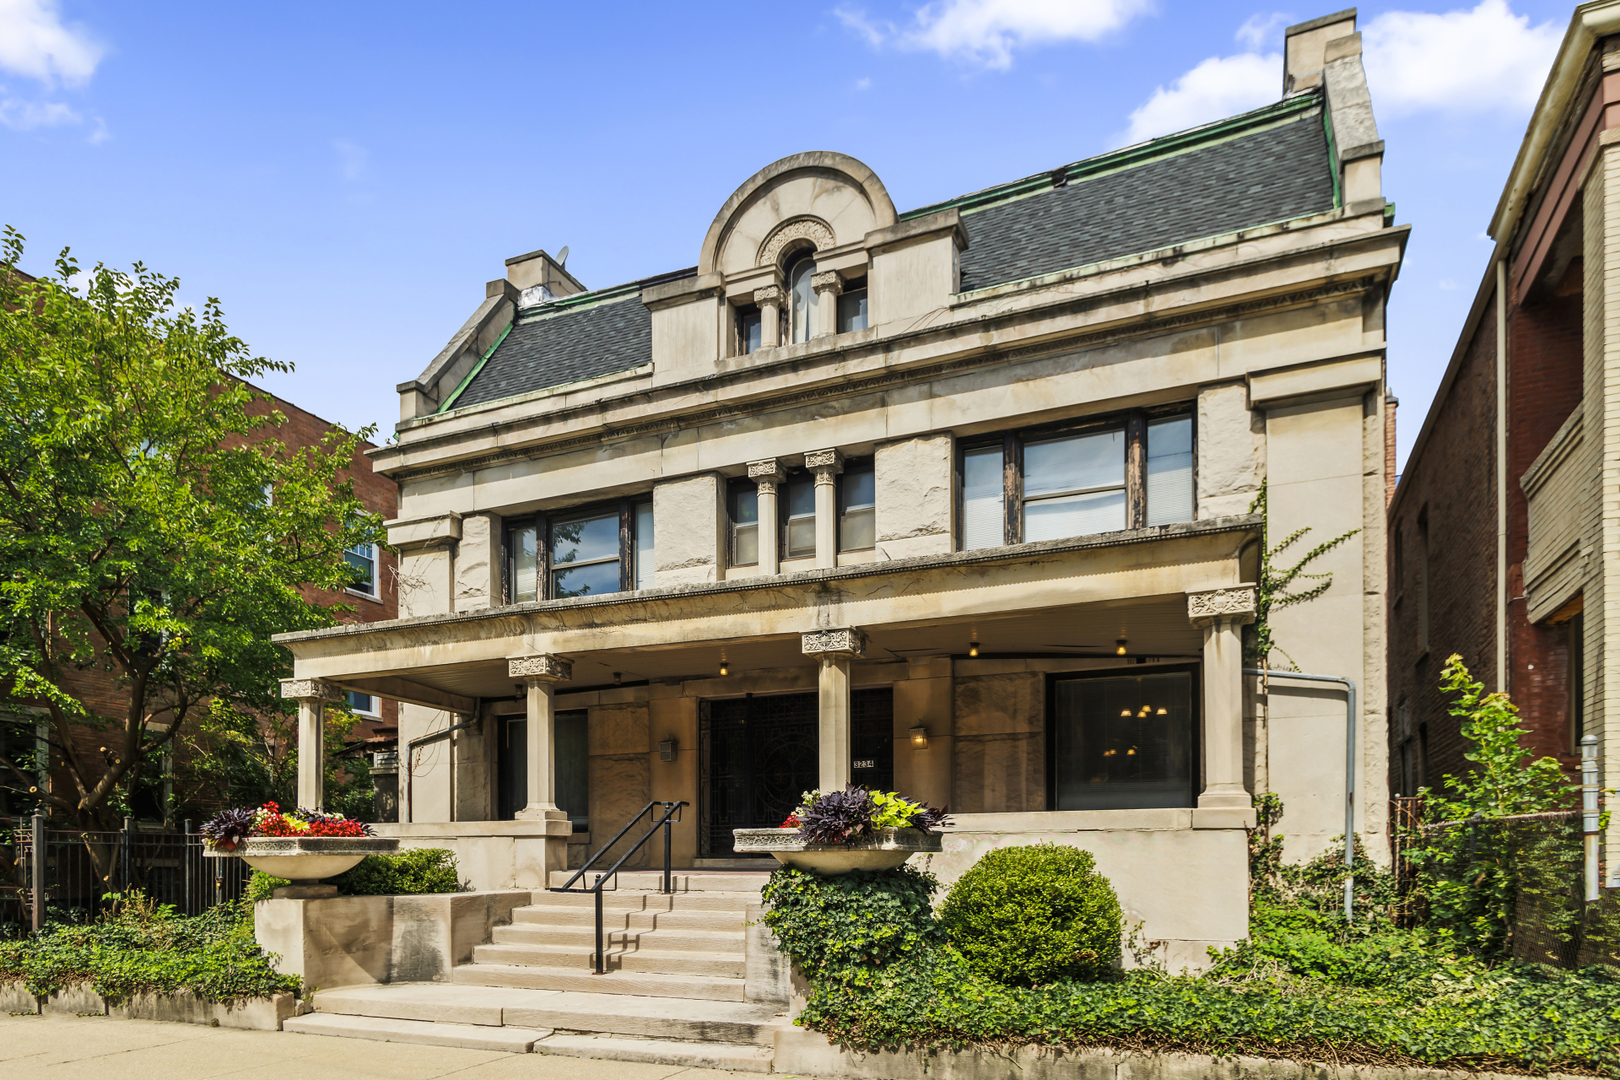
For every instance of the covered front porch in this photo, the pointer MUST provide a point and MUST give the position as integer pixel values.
(1086, 692)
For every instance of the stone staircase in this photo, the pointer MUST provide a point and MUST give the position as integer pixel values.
(675, 990)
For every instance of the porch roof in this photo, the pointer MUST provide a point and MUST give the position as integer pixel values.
(1060, 597)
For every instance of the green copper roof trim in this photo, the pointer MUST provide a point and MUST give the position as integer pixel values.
(1285, 111)
(583, 300)
(451, 400)
(1334, 168)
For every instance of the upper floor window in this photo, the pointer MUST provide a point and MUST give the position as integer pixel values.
(363, 557)
(362, 704)
(852, 310)
(744, 522)
(1051, 483)
(797, 506)
(580, 553)
(749, 331)
(803, 298)
(857, 508)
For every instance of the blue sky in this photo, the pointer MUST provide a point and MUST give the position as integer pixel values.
(345, 177)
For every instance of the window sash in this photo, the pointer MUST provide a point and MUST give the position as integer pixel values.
(744, 521)
(857, 508)
(363, 557)
(533, 571)
(799, 517)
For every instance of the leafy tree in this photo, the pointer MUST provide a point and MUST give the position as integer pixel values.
(1473, 864)
(154, 530)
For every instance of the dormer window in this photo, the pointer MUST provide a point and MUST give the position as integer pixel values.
(802, 319)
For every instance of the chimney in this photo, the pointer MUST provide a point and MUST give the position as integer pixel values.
(1305, 51)
(538, 271)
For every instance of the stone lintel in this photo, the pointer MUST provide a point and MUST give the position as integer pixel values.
(840, 641)
(543, 667)
(1235, 603)
(310, 690)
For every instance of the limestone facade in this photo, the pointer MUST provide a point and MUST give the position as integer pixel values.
(843, 430)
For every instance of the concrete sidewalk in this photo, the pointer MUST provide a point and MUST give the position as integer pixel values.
(100, 1048)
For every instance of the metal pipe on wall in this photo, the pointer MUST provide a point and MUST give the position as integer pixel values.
(1501, 477)
(1349, 771)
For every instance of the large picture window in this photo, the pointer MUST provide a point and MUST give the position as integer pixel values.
(585, 552)
(1125, 472)
(1123, 742)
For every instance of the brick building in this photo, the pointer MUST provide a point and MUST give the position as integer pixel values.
(1502, 528)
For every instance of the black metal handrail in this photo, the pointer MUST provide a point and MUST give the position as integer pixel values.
(672, 814)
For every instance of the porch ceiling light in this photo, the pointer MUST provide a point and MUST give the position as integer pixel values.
(973, 644)
(1119, 647)
(725, 667)
(919, 737)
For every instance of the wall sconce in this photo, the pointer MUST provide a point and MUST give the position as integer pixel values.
(725, 668)
(919, 737)
(1119, 647)
(666, 749)
(973, 644)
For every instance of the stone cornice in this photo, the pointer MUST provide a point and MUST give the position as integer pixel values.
(1236, 604)
(541, 668)
(886, 378)
(310, 690)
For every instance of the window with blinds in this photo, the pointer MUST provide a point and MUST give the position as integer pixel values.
(1128, 472)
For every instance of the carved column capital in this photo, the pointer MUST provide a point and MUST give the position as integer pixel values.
(770, 294)
(542, 668)
(840, 641)
(310, 690)
(827, 281)
(1235, 603)
(767, 471)
(826, 464)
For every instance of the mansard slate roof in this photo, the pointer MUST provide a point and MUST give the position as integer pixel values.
(1266, 166)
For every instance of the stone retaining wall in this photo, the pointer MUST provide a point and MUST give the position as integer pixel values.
(184, 1007)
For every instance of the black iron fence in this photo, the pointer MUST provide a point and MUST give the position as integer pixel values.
(1544, 856)
(67, 874)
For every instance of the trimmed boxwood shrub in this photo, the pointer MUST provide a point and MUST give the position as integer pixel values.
(1026, 916)
(415, 872)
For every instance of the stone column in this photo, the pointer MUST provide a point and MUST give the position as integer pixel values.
(539, 675)
(829, 286)
(835, 648)
(770, 300)
(312, 696)
(826, 464)
(766, 475)
(1222, 614)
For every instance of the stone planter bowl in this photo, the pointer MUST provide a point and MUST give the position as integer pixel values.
(305, 860)
(885, 850)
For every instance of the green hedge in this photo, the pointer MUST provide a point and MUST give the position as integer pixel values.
(145, 948)
(416, 872)
(859, 918)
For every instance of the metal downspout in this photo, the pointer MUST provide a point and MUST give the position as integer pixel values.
(1501, 478)
(1349, 771)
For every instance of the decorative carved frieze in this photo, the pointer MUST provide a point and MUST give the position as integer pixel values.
(541, 668)
(842, 641)
(806, 228)
(1236, 603)
(770, 294)
(827, 282)
(310, 690)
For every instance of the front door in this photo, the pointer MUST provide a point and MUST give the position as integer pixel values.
(759, 755)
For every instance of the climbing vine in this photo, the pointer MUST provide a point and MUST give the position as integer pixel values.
(1284, 586)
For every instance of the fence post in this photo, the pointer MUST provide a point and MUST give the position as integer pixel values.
(185, 861)
(125, 843)
(1589, 811)
(36, 856)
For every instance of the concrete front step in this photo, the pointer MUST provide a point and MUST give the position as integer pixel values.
(674, 962)
(696, 1055)
(685, 881)
(584, 936)
(679, 919)
(645, 984)
(422, 1032)
(640, 900)
(614, 1014)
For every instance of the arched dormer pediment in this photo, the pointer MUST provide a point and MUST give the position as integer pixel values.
(824, 198)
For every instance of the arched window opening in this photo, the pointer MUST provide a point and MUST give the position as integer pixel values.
(803, 316)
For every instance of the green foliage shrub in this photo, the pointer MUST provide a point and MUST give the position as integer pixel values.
(857, 920)
(143, 947)
(1024, 916)
(416, 872)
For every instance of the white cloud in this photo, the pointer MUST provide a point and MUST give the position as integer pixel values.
(352, 159)
(19, 115)
(986, 32)
(1216, 88)
(1261, 30)
(34, 42)
(1462, 61)
(863, 83)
